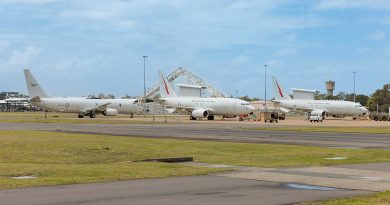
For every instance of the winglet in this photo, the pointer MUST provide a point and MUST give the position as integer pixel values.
(279, 93)
(166, 89)
(33, 87)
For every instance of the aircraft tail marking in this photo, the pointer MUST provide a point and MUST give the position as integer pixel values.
(279, 93)
(33, 87)
(166, 89)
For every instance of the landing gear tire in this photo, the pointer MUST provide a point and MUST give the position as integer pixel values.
(93, 115)
(192, 118)
(132, 116)
(210, 117)
(80, 116)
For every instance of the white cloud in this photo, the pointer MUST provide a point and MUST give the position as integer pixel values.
(286, 52)
(23, 57)
(377, 35)
(353, 4)
(363, 50)
(290, 38)
(39, 2)
(239, 60)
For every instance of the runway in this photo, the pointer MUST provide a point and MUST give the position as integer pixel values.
(171, 191)
(217, 132)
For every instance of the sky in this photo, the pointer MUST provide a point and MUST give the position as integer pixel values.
(78, 48)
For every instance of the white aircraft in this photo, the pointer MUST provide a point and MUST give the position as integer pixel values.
(199, 107)
(82, 106)
(335, 108)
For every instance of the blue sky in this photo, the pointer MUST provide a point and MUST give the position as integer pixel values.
(82, 47)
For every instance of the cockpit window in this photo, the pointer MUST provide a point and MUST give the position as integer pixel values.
(135, 102)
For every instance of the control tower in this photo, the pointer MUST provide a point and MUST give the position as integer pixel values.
(330, 87)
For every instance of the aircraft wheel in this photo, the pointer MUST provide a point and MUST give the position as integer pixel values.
(80, 116)
(93, 115)
(210, 117)
(192, 118)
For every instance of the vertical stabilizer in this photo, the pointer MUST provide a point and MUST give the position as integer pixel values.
(279, 92)
(33, 87)
(166, 89)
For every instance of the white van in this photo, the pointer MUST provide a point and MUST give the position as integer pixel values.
(316, 117)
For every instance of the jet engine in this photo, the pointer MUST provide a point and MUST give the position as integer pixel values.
(320, 112)
(200, 113)
(110, 112)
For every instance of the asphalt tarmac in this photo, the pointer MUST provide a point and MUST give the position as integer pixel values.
(217, 132)
(171, 191)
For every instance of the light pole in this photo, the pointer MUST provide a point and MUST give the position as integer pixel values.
(354, 88)
(144, 76)
(265, 86)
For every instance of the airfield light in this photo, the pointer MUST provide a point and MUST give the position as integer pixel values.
(354, 88)
(265, 86)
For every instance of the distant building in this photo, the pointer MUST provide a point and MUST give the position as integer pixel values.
(330, 85)
(4, 95)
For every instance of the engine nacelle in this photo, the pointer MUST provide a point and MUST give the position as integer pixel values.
(110, 112)
(318, 112)
(200, 113)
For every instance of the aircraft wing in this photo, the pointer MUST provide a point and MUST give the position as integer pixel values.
(285, 110)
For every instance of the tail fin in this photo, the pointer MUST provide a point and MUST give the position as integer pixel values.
(279, 93)
(166, 89)
(33, 87)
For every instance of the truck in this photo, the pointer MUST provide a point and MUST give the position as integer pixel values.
(316, 117)
(379, 116)
(269, 116)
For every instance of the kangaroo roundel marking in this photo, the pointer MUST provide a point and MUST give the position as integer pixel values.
(67, 105)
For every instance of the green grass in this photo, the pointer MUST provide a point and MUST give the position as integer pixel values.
(68, 159)
(71, 118)
(57, 173)
(368, 130)
(63, 158)
(374, 199)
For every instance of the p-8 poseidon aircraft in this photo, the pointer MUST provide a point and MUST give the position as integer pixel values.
(199, 107)
(80, 105)
(336, 108)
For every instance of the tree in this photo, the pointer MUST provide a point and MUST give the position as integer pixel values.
(380, 97)
(246, 98)
(110, 96)
(362, 99)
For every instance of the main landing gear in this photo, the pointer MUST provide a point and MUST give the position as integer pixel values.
(210, 117)
(91, 115)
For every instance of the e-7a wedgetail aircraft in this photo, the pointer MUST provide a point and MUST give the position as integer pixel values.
(80, 105)
(335, 108)
(198, 107)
